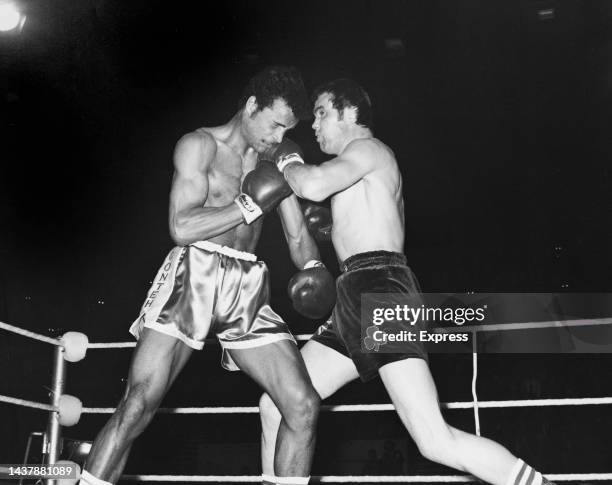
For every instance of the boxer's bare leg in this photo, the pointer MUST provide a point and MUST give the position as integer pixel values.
(157, 361)
(418, 407)
(279, 369)
(328, 370)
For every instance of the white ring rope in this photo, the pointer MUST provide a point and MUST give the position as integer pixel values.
(474, 378)
(27, 404)
(27, 333)
(471, 328)
(112, 345)
(352, 479)
(494, 327)
(588, 401)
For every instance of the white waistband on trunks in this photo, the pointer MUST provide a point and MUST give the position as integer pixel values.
(231, 252)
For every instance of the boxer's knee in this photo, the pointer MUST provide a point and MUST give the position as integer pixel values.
(136, 410)
(301, 409)
(439, 447)
(429, 448)
(268, 412)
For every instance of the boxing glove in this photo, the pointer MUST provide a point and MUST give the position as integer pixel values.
(313, 290)
(318, 220)
(262, 189)
(284, 153)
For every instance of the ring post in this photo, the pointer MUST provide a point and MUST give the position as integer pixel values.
(52, 448)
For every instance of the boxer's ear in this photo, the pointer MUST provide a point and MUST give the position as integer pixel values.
(349, 114)
(251, 106)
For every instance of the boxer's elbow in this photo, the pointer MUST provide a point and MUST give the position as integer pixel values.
(315, 194)
(312, 188)
(179, 232)
(178, 239)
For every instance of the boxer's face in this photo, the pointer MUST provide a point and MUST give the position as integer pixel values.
(327, 124)
(265, 128)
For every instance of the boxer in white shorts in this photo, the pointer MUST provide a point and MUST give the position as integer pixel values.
(211, 283)
(205, 288)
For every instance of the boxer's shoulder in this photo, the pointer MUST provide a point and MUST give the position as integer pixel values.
(201, 136)
(196, 149)
(369, 153)
(198, 142)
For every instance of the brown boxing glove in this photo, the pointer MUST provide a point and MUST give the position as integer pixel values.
(285, 153)
(262, 189)
(318, 220)
(313, 290)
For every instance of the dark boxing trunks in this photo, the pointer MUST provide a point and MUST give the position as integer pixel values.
(370, 272)
(206, 287)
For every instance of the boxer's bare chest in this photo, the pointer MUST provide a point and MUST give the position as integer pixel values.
(226, 174)
(224, 181)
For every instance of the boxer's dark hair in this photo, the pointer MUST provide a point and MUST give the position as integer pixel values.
(275, 82)
(346, 93)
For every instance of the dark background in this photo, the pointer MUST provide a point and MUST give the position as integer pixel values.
(498, 113)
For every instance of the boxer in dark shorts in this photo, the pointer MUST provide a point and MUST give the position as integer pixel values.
(366, 190)
(369, 272)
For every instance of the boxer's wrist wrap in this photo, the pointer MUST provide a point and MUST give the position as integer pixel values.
(313, 263)
(88, 479)
(250, 210)
(287, 159)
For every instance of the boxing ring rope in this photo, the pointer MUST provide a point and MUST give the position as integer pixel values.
(561, 477)
(337, 408)
(53, 429)
(27, 333)
(474, 377)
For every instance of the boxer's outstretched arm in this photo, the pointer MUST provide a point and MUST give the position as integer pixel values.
(189, 221)
(302, 246)
(317, 182)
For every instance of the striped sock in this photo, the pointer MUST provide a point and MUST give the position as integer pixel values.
(523, 474)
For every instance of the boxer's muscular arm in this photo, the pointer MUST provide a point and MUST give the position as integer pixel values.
(302, 246)
(189, 221)
(316, 183)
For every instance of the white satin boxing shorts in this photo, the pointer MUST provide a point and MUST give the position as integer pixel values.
(206, 287)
